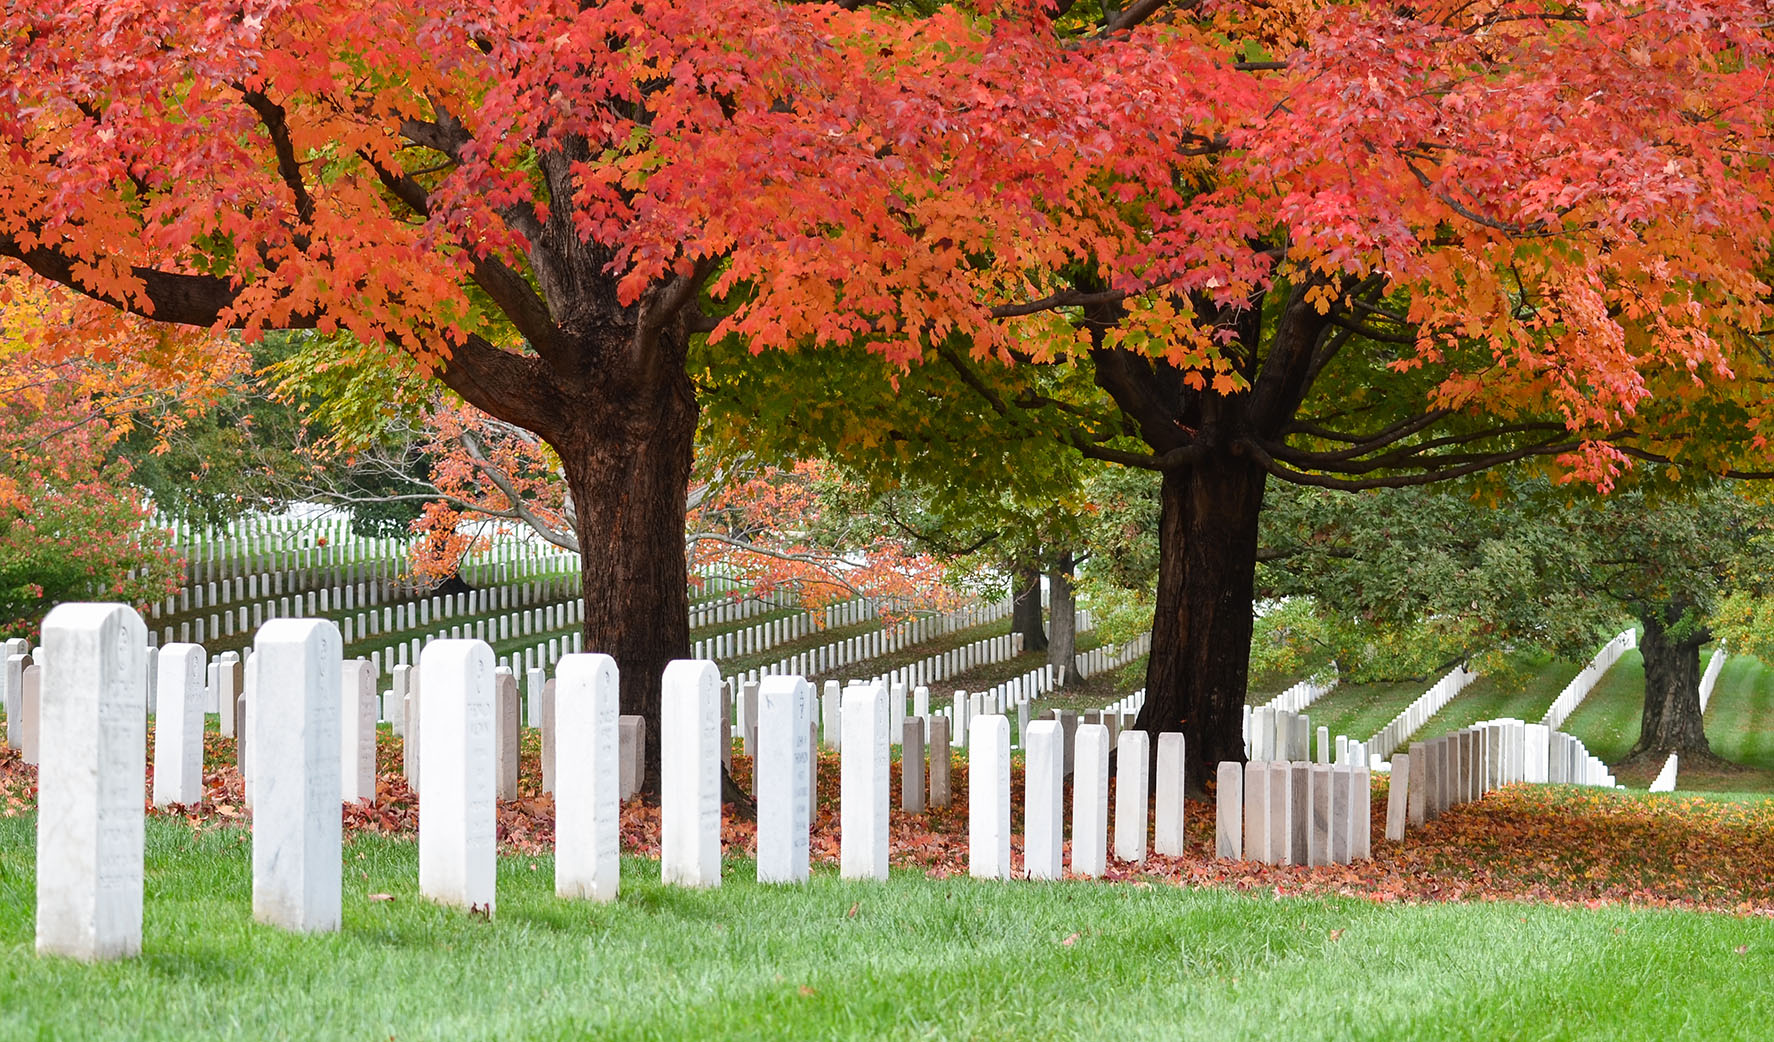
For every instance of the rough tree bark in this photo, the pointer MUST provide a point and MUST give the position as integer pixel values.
(1200, 661)
(1062, 609)
(628, 468)
(1672, 721)
(1025, 612)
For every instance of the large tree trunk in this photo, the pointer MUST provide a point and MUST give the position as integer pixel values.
(1025, 610)
(1201, 629)
(628, 468)
(1672, 721)
(1062, 609)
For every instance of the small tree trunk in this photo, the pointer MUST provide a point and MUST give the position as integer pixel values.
(1025, 612)
(1062, 608)
(1201, 628)
(1672, 721)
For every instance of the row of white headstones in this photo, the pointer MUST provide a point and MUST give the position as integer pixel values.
(92, 751)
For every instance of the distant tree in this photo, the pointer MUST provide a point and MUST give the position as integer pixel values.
(1526, 564)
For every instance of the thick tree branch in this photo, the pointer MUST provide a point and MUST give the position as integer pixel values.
(1299, 477)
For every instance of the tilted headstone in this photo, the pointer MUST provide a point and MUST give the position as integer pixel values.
(587, 793)
(1044, 808)
(785, 803)
(988, 798)
(178, 729)
(690, 774)
(295, 739)
(1398, 796)
(94, 741)
(1229, 810)
(1171, 785)
(1090, 801)
(458, 815)
(1132, 780)
(863, 784)
(357, 731)
(941, 758)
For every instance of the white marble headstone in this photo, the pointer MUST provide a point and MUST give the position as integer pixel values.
(988, 798)
(1090, 801)
(864, 789)
(1044, 809)
(94, 744)
(178, 728)
(357, 731)
(690, 774)
(588, 784)
(457, 814)
(783, 797)
(296, 774)
(1132, 766)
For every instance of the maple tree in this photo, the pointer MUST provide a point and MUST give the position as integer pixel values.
(1483, 231)
(75, 380)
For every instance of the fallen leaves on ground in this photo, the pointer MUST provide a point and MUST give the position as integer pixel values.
(1545, 844)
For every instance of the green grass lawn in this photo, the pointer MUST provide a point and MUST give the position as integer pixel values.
(1607, 721)
(1740, 717)
(1359, 710)
(1523, 693)
(915, 958)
